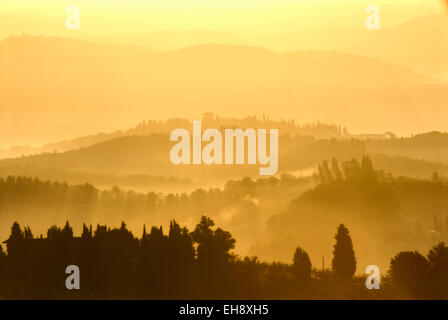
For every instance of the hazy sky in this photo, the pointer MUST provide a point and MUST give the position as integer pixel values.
(238, 16)
(273, 24)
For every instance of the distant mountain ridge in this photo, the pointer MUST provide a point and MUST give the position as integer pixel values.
(97, 87)
(420, 42)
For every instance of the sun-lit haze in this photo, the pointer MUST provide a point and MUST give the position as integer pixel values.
(247, 19)
(362, 116)
(172, 25)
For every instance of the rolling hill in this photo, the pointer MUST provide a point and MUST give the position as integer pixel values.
(65, 88)
(139, 160)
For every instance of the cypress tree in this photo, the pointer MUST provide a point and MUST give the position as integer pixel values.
(344, 261)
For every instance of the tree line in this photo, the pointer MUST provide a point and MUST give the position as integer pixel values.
(184, 264)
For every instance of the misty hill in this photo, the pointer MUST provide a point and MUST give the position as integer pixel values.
(269, 216)
(423, 44)
(135, 162)
(149, 155)
(166, 40)
(432, 146)
(268, 67)
(56, 95)
(384, 215)
(148, 127)
(419, 36)
(414, 35)
(420, 42)
(244, 204)
(59, 51)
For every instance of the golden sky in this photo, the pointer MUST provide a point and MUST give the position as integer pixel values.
(279, 25)
(242, 16)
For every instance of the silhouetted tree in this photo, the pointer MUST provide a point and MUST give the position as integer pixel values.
(408, 266)
(301, 266)
(153, 264)
(67, 231)
(15, 243)
(321, 174)
(86, 232)
(213, 255)
(351, 169)
(27, 233)
(344, 261)
(184, 265)
(144, 234)
(180, 259)
(327, 176)
(367, 170)
(337, 172)
(438, 261)
(3, 258)
(212, 245)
